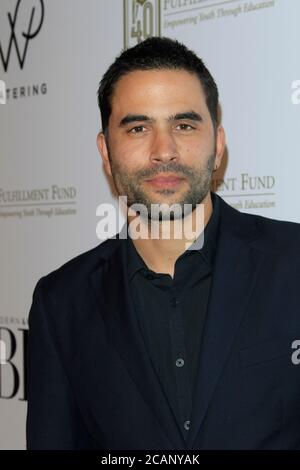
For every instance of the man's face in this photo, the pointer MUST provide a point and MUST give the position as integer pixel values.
(161, 145)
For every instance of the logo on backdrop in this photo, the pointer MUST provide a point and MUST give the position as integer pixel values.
(141, 20)
(20, 41)
(190, 13)
(44, 202)
(145, 18)
(247, 191)
(13, 367)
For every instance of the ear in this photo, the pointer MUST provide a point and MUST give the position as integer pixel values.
(220, 146)
(103, 150)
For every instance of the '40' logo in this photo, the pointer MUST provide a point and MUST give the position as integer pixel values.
(33, 19)
(141, 20)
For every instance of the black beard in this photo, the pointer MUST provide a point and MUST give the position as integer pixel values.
(199, 185)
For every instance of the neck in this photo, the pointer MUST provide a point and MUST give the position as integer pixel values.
(172, 238)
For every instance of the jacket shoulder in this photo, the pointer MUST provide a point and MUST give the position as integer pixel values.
(279, 231)
(72, 274)
(267, 234)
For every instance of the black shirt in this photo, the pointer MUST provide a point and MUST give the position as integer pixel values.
(171, 314)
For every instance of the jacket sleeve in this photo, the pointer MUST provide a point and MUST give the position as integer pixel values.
(53, 418)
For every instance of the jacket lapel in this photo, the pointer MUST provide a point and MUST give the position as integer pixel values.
(111, 287)
(236, 268)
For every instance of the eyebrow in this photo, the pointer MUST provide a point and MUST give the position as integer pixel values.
(189, 115)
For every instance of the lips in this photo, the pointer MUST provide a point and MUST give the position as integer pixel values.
(165, 181)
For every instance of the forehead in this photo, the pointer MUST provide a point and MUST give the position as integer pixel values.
(152, 90)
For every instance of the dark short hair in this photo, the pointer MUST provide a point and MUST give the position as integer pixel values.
(156, 53)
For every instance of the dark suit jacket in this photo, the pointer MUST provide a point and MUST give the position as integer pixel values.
(91, 383)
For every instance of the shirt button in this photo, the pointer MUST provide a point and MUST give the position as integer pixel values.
(187, 425)
(180, 362)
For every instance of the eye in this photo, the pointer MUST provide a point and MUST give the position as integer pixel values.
(185, 127)
(136, 130)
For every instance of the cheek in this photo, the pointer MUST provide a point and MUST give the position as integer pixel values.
(202, 147)
(198, 141)
(132, 156)
(127, 160)
(194, 150)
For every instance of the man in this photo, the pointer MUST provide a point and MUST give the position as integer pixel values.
(162, 343)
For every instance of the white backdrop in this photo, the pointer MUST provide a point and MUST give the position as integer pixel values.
(52, 56)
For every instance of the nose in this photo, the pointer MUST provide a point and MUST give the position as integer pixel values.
(164, 148)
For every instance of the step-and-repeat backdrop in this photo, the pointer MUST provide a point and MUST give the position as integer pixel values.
(52, 56)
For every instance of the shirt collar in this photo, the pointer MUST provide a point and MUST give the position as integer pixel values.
(208, 249)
